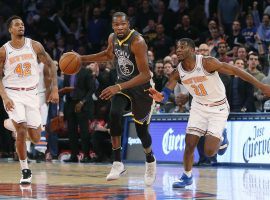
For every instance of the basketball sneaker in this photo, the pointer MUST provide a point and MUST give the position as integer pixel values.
(183, 181)
(26, 176)
(150, 173)
(224, 144)
(117, 170)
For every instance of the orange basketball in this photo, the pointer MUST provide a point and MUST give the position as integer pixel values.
(70, 63)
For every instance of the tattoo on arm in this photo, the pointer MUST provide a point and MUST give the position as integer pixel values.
(44, 57)
(2, 60)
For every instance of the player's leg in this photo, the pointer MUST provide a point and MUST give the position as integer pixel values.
(142, 107)
(196, 128)
(17, 115)
(119, 104)
(216, 137)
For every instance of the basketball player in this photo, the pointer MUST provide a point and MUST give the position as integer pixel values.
(19, 76)
(134, 77)
(209, 108)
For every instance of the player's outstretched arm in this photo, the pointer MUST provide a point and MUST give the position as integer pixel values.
(106, 55)
(212, 64)
(7, 101)
(44, 57)
(167, 90)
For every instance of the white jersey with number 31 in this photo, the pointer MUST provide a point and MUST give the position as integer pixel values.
(21, 66)
(205, 88)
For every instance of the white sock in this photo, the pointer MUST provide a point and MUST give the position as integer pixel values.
(188, 173)
(8, 124)
(24, 164)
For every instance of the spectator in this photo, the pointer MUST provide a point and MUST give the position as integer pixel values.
(159, 78)
(162, 44)
(249, 31)
(204, 50)
(186, 30)
(78, 109)
(235, 37)
(228, 11)
(241, 98)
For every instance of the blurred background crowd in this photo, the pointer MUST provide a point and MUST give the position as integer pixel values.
(233, 31)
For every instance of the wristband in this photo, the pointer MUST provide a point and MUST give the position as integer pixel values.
(120, 88)
(166, 94)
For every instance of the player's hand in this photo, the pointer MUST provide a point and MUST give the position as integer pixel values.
(154, 94)
(65, 90)
(9, 104)
(78, 107)
(109, 92)
(54, 96)
(265, 89)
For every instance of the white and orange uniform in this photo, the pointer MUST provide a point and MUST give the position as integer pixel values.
(209, 107)
(42, 95)
(21, 77)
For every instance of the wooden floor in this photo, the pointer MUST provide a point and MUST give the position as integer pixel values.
(87, 181)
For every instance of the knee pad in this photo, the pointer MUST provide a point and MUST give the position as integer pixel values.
(143, 134)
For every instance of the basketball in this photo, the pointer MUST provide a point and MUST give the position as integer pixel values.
(70, 63)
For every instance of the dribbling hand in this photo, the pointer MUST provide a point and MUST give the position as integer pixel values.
(154, 94)
(9, 104)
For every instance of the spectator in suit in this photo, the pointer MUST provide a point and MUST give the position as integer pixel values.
(241, 98)
(78, 108)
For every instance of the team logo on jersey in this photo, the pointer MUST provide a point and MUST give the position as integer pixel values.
(198, 69)
(125, 65)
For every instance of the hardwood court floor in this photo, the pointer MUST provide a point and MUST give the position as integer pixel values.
(87, 181)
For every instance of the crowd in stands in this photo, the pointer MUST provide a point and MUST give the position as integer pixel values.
(233, 31)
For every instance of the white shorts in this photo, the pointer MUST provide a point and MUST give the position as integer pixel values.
(26, 107)
(43, 106)
(208, 120)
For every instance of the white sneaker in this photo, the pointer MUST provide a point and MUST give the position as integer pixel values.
(150, 173)
(26, 176)
(117, 170)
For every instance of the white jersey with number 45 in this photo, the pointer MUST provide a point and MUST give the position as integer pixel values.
(205, 88)
(21, 66)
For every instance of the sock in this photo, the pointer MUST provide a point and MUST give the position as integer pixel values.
(188, 173)
(117, 154)
(24, 164)
(150, 157)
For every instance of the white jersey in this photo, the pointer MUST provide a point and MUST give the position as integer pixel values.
(21, 66)
(205, 88)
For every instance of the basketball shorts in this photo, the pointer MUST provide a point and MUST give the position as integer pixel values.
(205, 119)
(142, 104)
(26, 107)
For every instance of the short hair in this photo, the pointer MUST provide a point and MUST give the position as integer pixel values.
(252, 53)
(9, 20)
(120, 14)
(189, 42)
(237, 58)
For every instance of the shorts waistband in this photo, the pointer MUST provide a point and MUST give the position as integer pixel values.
(21, 89)
(217, 103)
